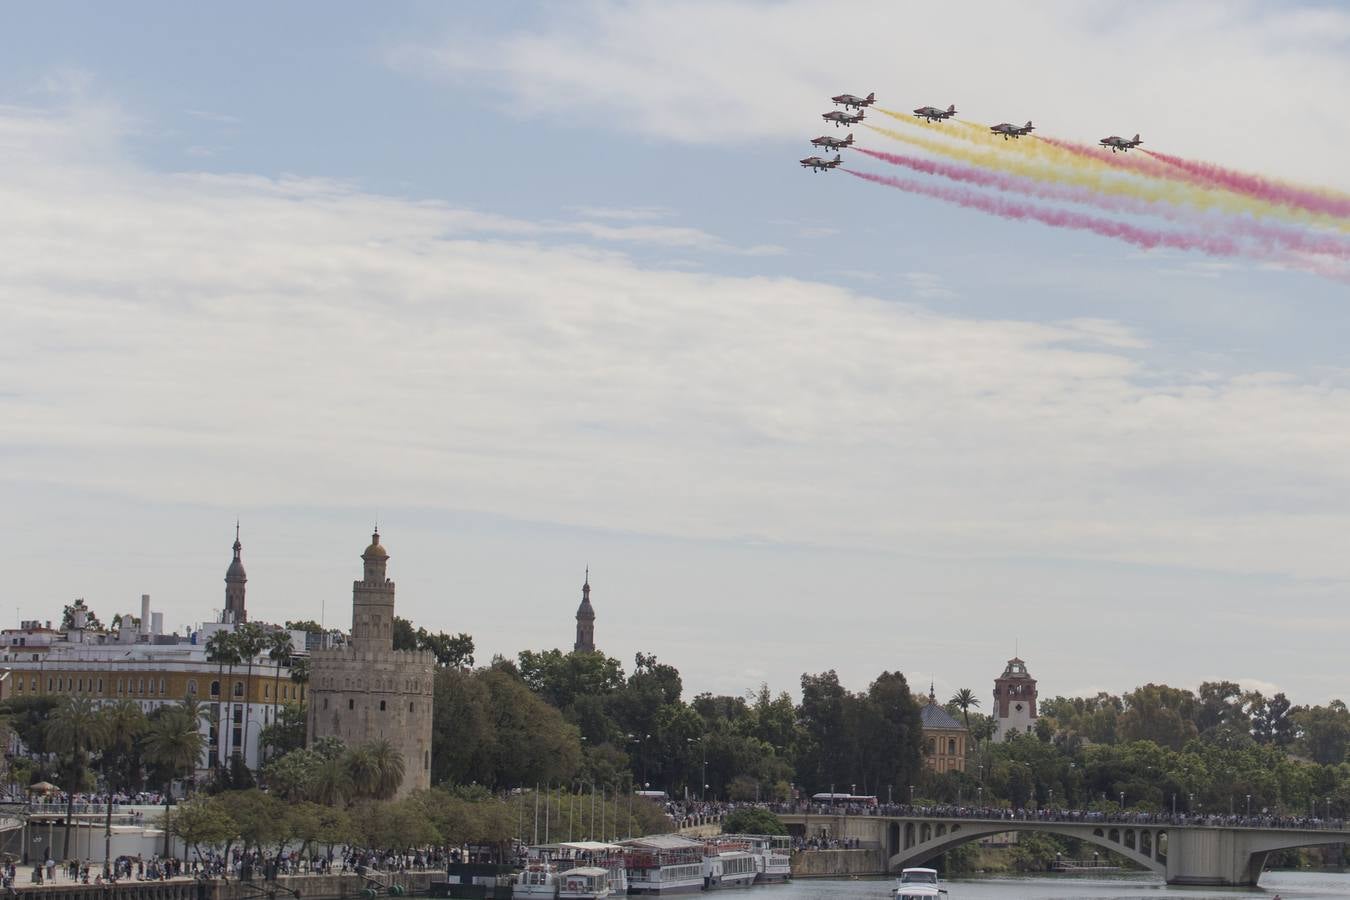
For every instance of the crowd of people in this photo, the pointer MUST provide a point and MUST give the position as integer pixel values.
(1058, 814)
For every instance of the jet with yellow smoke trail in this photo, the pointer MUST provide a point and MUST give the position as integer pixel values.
(1012, 131)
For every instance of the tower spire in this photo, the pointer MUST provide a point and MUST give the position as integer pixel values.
(235, 579)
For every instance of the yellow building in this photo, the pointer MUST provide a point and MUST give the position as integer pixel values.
(944, 738)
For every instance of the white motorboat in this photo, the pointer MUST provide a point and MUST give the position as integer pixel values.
(917, 884)
(584, 883)
(537, 881)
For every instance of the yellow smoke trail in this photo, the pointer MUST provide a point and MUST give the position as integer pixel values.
(1045, 162)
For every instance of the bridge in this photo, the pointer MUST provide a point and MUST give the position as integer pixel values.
(1182, 853)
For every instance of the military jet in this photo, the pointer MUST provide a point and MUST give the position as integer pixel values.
(842, 118)
(817, 164)
(1124, 145)
(933, 114)
(832, 143)
(849, 101)
(1012, 131)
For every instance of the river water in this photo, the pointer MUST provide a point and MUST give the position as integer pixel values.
(1289, 885)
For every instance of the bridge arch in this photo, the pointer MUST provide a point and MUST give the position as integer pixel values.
(972, 830)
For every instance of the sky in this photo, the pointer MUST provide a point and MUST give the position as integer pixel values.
(541, 286)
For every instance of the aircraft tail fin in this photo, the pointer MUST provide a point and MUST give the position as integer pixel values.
(1029, 125)
(849, 139)
(838, 158)
(952, 109)
(1136, 138)
(872, 96)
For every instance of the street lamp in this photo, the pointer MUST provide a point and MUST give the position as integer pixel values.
(1174, 804)
(1122, 801)
(911, 795)
(1249, 806)
(1190, 804)
(1050, 803)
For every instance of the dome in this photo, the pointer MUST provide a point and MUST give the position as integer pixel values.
(375, 550)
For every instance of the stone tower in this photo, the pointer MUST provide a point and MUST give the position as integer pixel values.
(368, 691)
(585, 619)
(373, 601)
(235, 579)
(1014, 701)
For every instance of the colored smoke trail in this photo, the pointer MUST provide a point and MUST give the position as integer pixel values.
(1265, 189)
(1060, 165)
(1268, 236)
(1143, 165)
(1131, 234)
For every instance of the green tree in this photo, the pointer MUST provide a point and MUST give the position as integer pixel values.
(202, 822)
(279, 652)
(251, 640)
(75, 730)
(389, 767)
(68, 616)
(173, 745)
(1325, 732)
(752, 820)
(223, 649)
(963, 700)
(285, 733)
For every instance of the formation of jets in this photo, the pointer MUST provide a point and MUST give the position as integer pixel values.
(818, 164)
(933, 114)
(1012, 131)
(1119, 143)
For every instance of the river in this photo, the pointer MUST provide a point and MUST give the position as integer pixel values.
(1289, 885)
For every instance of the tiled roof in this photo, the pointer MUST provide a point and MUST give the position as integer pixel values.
(934, 716)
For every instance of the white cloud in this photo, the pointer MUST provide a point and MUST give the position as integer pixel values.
(202, 337)
(1256, 85)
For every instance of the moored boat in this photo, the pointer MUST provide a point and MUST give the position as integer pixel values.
(663, 864)
(584, 883)
(728, 865)
(537, 881)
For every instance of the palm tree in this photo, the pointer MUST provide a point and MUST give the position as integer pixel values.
(221, 650)
(964, 699)
(300, 675)
(173, 744)
(389, 766)
(75, 729)
(332, 782)
(251, 640)
(279, 651)
(123, 724)
(363, 771)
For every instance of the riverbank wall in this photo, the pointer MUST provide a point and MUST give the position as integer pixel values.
(837, 863)
(306, 887)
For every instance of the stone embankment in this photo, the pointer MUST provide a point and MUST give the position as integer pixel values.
(837, 863)
(304, 887)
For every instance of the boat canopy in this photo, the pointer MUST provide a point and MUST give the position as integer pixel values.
(588, 871)
(589, 846)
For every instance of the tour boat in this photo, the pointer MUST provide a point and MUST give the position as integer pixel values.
(773, 854)
(727, 864)
(663, 864)
(537, 881)
(584, 883)
(916, 884)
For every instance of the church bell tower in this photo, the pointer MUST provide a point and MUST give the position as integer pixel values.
(585, 619)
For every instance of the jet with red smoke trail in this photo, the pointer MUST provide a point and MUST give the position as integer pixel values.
(933, 114)
(848, 101)
(832, 143)
(818, 164)
(1013, 131)
(1124, 145)
(842, 118)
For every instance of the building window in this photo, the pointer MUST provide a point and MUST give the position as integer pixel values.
(951, 746)
(140, 685)
(267, 691)
(192, 686)
(410, 707)
(351, 704)
(215, 689)
(20, 684)
(239, 689)
(161, 687)
(49, 684)
(100, 685)
(381, 706)
(119, 685)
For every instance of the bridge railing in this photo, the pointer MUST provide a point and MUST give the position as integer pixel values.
(1066, 816)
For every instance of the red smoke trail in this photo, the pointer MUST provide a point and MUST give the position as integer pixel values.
(1147, 238)
(1258, 187)
(1268, 236)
